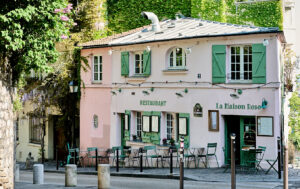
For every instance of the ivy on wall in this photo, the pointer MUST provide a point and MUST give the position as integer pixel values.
(266, 14)
(124, 15)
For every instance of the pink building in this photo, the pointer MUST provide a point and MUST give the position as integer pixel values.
(187, 77)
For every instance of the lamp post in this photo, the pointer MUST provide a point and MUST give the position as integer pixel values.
(73, 90)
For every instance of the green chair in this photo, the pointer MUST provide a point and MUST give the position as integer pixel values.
(91, 154)
(189, 156)
(152, 154)
(71, 154)
(175, 154)
(122, 156)
(210, 152)
(261, 157)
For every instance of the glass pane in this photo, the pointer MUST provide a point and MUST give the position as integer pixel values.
(171, 59)
(100, 67)
(250, 75)
(232, 50)
(238, 75)
(237, 67)
(237, 50)
(233, 58)
(95, 76)
(95, 67)
(246, 50)
(232, 67)
(238, 59)
(95, 59)
(246, 67)
(100, 77)
(250, 58)
(250, 67)
(250, 50)
(246, 58)
(246, 75)
(137, 57)
(100, 59)
(232, 76)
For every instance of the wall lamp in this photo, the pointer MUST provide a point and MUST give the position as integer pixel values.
(148, 48)
(234, 95)
(146, 92)
(184, 91)
(264, 103)
(266, 42)
(188, 50)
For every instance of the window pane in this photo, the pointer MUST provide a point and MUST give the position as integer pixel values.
(250, 58)
(171, 59)
(250, 67)
(232, 58)
(95, 76)
(238, 75)
(95, 67)
(100, 59)
(246, 58)
(137, 57)
(100, 76)
(238, 59)
(246, 67)
(95, 59)
(232, 76)
(246, 50)
(246, 76)
(237, 50)
(232, 67)
(232, 50)
(237, 67)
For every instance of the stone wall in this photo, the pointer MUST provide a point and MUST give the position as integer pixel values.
(6, 139)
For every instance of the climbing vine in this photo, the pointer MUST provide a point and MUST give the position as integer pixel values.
(124, 15)
(266, 13)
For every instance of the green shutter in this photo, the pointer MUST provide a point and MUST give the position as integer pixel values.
(147, 63)
(258, 63)
(125, 63)
(218, 64)
(186, 137)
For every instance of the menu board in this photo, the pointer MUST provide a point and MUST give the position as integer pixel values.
(154, 125)
(146, 124)
(182, 126)
(265, 126)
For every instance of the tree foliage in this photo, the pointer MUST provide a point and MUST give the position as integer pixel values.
(294, 119)
(29, 31)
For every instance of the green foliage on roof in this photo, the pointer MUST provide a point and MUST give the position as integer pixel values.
(124, 15)
(265, 14)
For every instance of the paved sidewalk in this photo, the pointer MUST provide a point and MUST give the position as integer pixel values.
(207, 175)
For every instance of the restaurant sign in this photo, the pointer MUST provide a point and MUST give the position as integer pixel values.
(152, 103)
(232, 106)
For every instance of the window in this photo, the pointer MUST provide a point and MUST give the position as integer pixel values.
(35, 134)
(170, 125)
(95, 121)
(177, 58)
(139, 124)
(138, 63)
(213, 120)
(241, 63)
(97, 68)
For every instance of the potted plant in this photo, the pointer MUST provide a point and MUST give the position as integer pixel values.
(134, 137)
(172, 142)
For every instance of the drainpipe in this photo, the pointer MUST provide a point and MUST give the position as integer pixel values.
(155, 22)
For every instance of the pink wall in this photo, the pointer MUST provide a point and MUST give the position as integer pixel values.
(95, 100)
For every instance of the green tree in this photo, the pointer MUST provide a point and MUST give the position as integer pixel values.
(30, 30)
(294, 119)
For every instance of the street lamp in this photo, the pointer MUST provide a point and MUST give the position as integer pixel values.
(73, 89)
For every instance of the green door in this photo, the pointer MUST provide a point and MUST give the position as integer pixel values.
(245, 130)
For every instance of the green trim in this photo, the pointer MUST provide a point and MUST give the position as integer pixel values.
(258, 63)
(187, 115)
(146, 63)
(156, 113)
(125, 63)
(218, 64)
(146, 113)
(127, 112)
(186, 137)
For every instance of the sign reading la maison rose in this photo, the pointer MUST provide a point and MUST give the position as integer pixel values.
(232, 106)
(153, 102)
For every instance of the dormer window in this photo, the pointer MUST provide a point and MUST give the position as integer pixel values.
(177, 58)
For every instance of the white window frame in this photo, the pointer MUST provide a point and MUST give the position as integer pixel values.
(141, 55)
(229, 68)
(183, 58)
(99, 72)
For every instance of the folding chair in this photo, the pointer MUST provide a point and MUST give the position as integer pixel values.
(91, 153)
(152, 154)
(272, 163)
(210, 152)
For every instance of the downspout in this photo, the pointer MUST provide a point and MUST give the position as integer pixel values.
(155, 22)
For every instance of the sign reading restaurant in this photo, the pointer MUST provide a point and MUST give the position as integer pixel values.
(238, 106)
(153, 102)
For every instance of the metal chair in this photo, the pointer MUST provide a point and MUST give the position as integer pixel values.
(210, 152)
(91, 153)
(152, 154)
(175, 155)
(190, 156)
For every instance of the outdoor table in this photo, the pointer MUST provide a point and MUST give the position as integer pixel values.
(269, 161)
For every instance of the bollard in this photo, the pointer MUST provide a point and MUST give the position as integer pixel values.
(181, 162)
(56, 159)
(17, 173)
(38, 174)
(171, 161)
(117, 166)
(233, 181)
(103, 176)
(96, 163)
(141, 159)
(279, 157)
(70, 175)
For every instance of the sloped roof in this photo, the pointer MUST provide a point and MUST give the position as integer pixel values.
(183, 28)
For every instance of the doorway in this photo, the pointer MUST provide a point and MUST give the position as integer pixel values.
(245, 129)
